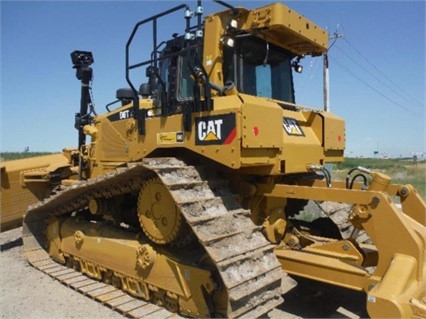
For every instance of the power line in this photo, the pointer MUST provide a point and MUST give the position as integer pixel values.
(373, 88)
(335, 37)
(378, 79)
(403, 96)
(312, 69)
(383, 74)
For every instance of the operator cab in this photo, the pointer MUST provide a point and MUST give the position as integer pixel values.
(252, 65)
(255, 58)
(172, 84)
(259, 68)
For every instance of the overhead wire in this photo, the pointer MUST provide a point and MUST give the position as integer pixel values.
(384, 75)
(378, 79)
(400, 92)
(346, 69)
(312, 70)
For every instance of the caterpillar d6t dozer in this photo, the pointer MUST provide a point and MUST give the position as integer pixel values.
(187, 193)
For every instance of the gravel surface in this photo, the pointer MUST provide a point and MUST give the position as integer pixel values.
(28, 293)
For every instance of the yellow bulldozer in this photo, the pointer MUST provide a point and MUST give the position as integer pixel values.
(188, 192)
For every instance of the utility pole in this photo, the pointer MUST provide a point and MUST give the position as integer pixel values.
(326, 83)
(326, 79)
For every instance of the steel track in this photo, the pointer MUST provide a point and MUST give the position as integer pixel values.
(244, 259)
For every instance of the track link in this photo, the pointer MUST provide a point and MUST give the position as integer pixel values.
(108, 295)
(242, 256)
(339, 214)
(70, 199)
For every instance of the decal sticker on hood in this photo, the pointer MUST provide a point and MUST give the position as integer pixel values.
(291, 127)
(215, 130)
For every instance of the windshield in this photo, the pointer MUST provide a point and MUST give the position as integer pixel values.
(259, 68)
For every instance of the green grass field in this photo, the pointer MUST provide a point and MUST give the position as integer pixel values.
(402, 171)
(9, 156)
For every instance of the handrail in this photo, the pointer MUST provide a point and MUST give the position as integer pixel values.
(140, 115)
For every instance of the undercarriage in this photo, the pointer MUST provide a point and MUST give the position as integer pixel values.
(194, 250)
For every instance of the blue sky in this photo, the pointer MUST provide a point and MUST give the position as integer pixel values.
(377, 71)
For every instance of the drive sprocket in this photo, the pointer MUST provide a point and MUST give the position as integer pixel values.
(159, 217)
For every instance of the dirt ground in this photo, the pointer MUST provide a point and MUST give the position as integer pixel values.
(28, 293)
